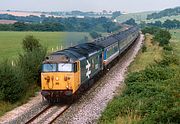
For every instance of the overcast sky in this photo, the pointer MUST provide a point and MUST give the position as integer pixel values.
(88, 5)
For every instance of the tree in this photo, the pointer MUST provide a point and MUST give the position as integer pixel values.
(94, 34)
(30, 43)
(163, 37)
(30, 61)
(116, 14)
(20, 26)
(168, 24)
(130, 22)
(158, 23)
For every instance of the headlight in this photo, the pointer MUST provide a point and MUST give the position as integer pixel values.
(57, 78)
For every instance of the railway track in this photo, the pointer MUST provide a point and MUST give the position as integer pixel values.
(48, 115)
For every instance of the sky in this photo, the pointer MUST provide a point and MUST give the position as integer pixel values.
(129, 6)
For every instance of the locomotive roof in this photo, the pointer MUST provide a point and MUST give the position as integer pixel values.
(75, 53)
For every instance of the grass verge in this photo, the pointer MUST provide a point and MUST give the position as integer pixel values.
(7, 106)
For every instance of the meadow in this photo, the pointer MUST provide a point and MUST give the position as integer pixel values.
(11, 42)
(141, 16)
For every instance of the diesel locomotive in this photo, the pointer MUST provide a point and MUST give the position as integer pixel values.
(65, 72)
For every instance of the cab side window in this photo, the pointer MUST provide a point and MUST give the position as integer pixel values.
(76, 67)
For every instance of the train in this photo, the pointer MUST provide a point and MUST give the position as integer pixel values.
(67, 71)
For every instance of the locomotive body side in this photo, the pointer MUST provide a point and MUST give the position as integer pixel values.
(91, 66)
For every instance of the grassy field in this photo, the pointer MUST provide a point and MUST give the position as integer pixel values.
(142, 17)
(11, 41)
(164, 19)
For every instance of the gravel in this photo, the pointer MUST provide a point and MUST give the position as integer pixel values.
(89, 107)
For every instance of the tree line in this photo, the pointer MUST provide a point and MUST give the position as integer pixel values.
(166, 12)
(168, 24)
(33, 23)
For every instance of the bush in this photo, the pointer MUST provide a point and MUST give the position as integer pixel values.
(94, 34)
(30, 43)
(30, 61)
(162, 36)
(167, 47)
(168, 59)
(151, 96)
(144, 48)
(12, 86)
(154, 72)
(15, 80)
(150, 30)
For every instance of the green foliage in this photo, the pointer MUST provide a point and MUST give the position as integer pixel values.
(150, 30)
(131, 21)
(116, 14)
(160, 35)
(31, 59)
(152, 95)
(15, 80)
(163, 13)
(101, 24)
(168, 24)
(144, 48)
(168, 48)
(30, 43)
(94, 34)
(163, 37)
(169, 59)
(151, 73)
(12, 86)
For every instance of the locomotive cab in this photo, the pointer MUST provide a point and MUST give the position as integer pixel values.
(59, 77)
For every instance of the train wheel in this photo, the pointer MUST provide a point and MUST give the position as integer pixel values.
(69, 99)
